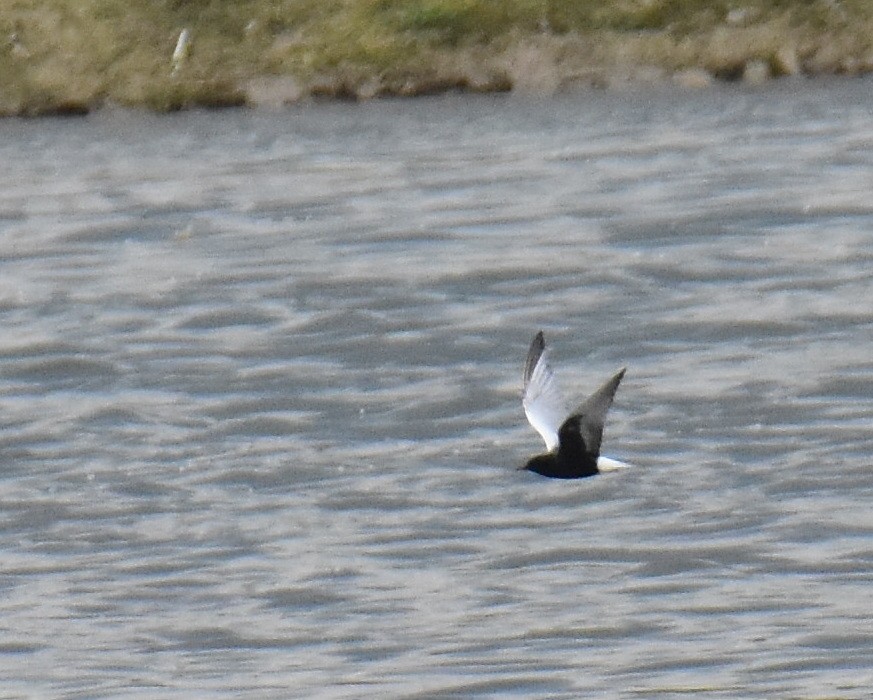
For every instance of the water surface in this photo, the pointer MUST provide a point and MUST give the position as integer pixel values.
(260, 398)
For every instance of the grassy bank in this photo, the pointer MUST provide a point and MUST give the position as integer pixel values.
(70, 56)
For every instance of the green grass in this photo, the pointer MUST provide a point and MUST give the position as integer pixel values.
(75, 55)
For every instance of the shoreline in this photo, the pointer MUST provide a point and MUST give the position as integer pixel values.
(166, 56)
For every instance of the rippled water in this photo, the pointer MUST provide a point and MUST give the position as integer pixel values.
(260, 398)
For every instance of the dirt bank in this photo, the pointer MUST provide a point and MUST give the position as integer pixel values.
(72, 56)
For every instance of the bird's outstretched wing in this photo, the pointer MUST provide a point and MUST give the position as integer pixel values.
(592, 413)
(543, 404)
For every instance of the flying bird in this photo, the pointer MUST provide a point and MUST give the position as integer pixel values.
(572, 438)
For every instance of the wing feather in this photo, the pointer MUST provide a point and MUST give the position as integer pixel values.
(543, 403)
(592, 413)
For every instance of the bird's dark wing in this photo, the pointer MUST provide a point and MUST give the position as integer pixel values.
(591, 415)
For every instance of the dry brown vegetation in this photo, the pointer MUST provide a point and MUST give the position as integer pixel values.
(70, 56)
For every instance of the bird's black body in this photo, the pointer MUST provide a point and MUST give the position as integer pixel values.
(573, 440)
(572, 460)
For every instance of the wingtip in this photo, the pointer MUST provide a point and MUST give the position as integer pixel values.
(616, 378)
(534, 353)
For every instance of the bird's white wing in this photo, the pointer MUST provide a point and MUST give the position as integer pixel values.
(543, 404)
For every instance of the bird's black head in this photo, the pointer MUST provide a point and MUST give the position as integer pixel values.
(553, 466)
(540, 463)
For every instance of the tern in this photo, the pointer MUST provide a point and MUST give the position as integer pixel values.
(572, 438)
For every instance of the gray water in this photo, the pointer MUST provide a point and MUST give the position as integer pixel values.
(260, 398)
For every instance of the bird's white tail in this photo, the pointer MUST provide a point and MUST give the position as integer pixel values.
(607, 464)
